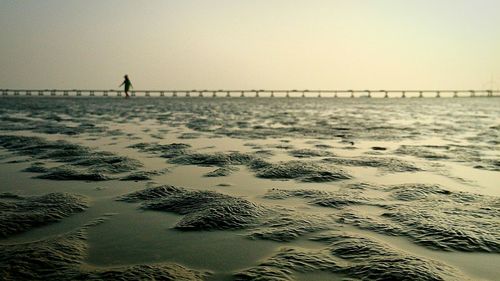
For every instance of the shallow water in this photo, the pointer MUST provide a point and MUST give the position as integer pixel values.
(418, 177)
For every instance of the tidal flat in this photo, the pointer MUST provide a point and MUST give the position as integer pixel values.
(249, 189)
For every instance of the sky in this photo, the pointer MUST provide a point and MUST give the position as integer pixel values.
(250, 44)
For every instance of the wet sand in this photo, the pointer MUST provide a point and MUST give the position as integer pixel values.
(245, 189)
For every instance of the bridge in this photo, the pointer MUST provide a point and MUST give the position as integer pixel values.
(254, 93)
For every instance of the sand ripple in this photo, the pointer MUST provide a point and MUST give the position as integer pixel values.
(19, 214)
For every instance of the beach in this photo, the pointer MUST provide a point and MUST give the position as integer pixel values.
(249, 188)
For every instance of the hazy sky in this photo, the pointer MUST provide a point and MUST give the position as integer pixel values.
(221, 44)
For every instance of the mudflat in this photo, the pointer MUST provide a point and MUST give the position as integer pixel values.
(249, 189)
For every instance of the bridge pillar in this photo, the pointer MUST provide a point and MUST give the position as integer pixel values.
(16, 93)
(473, 94)
(386, 95)
(40, 93)
(438, 94)
(352, 94)
(242, 94)
(91, 93)
(490, 93)
(420, 94)
(132, 93)
(272, 94)
(319, 94)
(228, 94)
(65, 93)
(303, 94)
(28, 93)
(257, 94)
(5, 93)
(455, 94)
(287, 94)
(403, 94)
(104, 93)
(335, 95)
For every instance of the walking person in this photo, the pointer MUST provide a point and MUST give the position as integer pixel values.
(127, 85)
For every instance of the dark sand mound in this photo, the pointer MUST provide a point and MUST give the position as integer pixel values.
(166, 271)
(51, 259)
(430, 152)
(179, 153)
(190, 136)
(49, 124)
(207, 210)
(430, 215)
(9, 195)
(264, 153)
(82, 163)
(386, 164)
(299, 170)
(277, 193)
(337, 199)
(284, 145)
(107, 162)
(285, 225)
(348, 255)
(58, 128)
(412, 192)
(221, 172)
(143, 175)
(488, 164)
(70, 173)
(202, 210)
(37, 167)
(152, 193)
(214, 159)
(303, 171)
(41, 148)
(60, 258)
(323, 146)
(437, 218)
(307, 153)
(204, 124)
(19, 214)
(473, 155)
(164, 150)
(373, 260)
(282, 266)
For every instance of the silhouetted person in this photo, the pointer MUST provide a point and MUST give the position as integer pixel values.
(127, 85)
